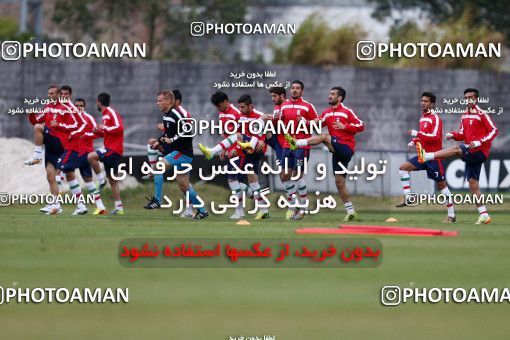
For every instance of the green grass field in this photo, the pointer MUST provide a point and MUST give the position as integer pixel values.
(68, 251)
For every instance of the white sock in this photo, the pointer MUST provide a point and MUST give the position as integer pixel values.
(302, 190)
(429, 156)
(91, 187)
(482, 211)
(59, 180)
(349, 208)
(152, 155)
(247, 190)
(118, 205)
(255, 187)
(301, 142)
(74, 185)
(449, 205)
(38, 148)
(224, 144)
(404, 179)
(290, 188)
(236, 190)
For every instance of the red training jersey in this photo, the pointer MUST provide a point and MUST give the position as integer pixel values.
(430, 134)
(87, 139)
(112, 130)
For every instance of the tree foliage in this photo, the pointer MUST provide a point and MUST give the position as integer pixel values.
(492, 14)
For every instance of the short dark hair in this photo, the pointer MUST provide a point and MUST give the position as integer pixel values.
(430, 95)
(177, 95)
(279, 90)
(66, 88)
(245, 99)
(300, 83)
(341, 92)
(218, 97)
(472, 90)
(104, 99)
(80, 100)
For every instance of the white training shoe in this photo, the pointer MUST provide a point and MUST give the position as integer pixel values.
(45, 209)
(237, 216)
(55, 210)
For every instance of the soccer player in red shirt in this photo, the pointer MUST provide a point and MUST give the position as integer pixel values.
(112, 130)
(229, 116)
(87, 146)
(477, 131)
(72, 131)
(342, 124)
(248, 115)
(292, 111)
(430, 136)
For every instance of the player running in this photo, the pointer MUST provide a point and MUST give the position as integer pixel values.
(46, 135)
(342, 124)
(292, 112)
(430, 136)
(477, 131)
(112, 130)
(159, 148)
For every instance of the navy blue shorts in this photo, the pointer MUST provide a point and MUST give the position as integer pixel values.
(295, 158)
(84, 166)
(52, 148)
(276, 146)
(68, 161)
(110, 159)
(434, 168)
(474, 161)
(342, 154)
